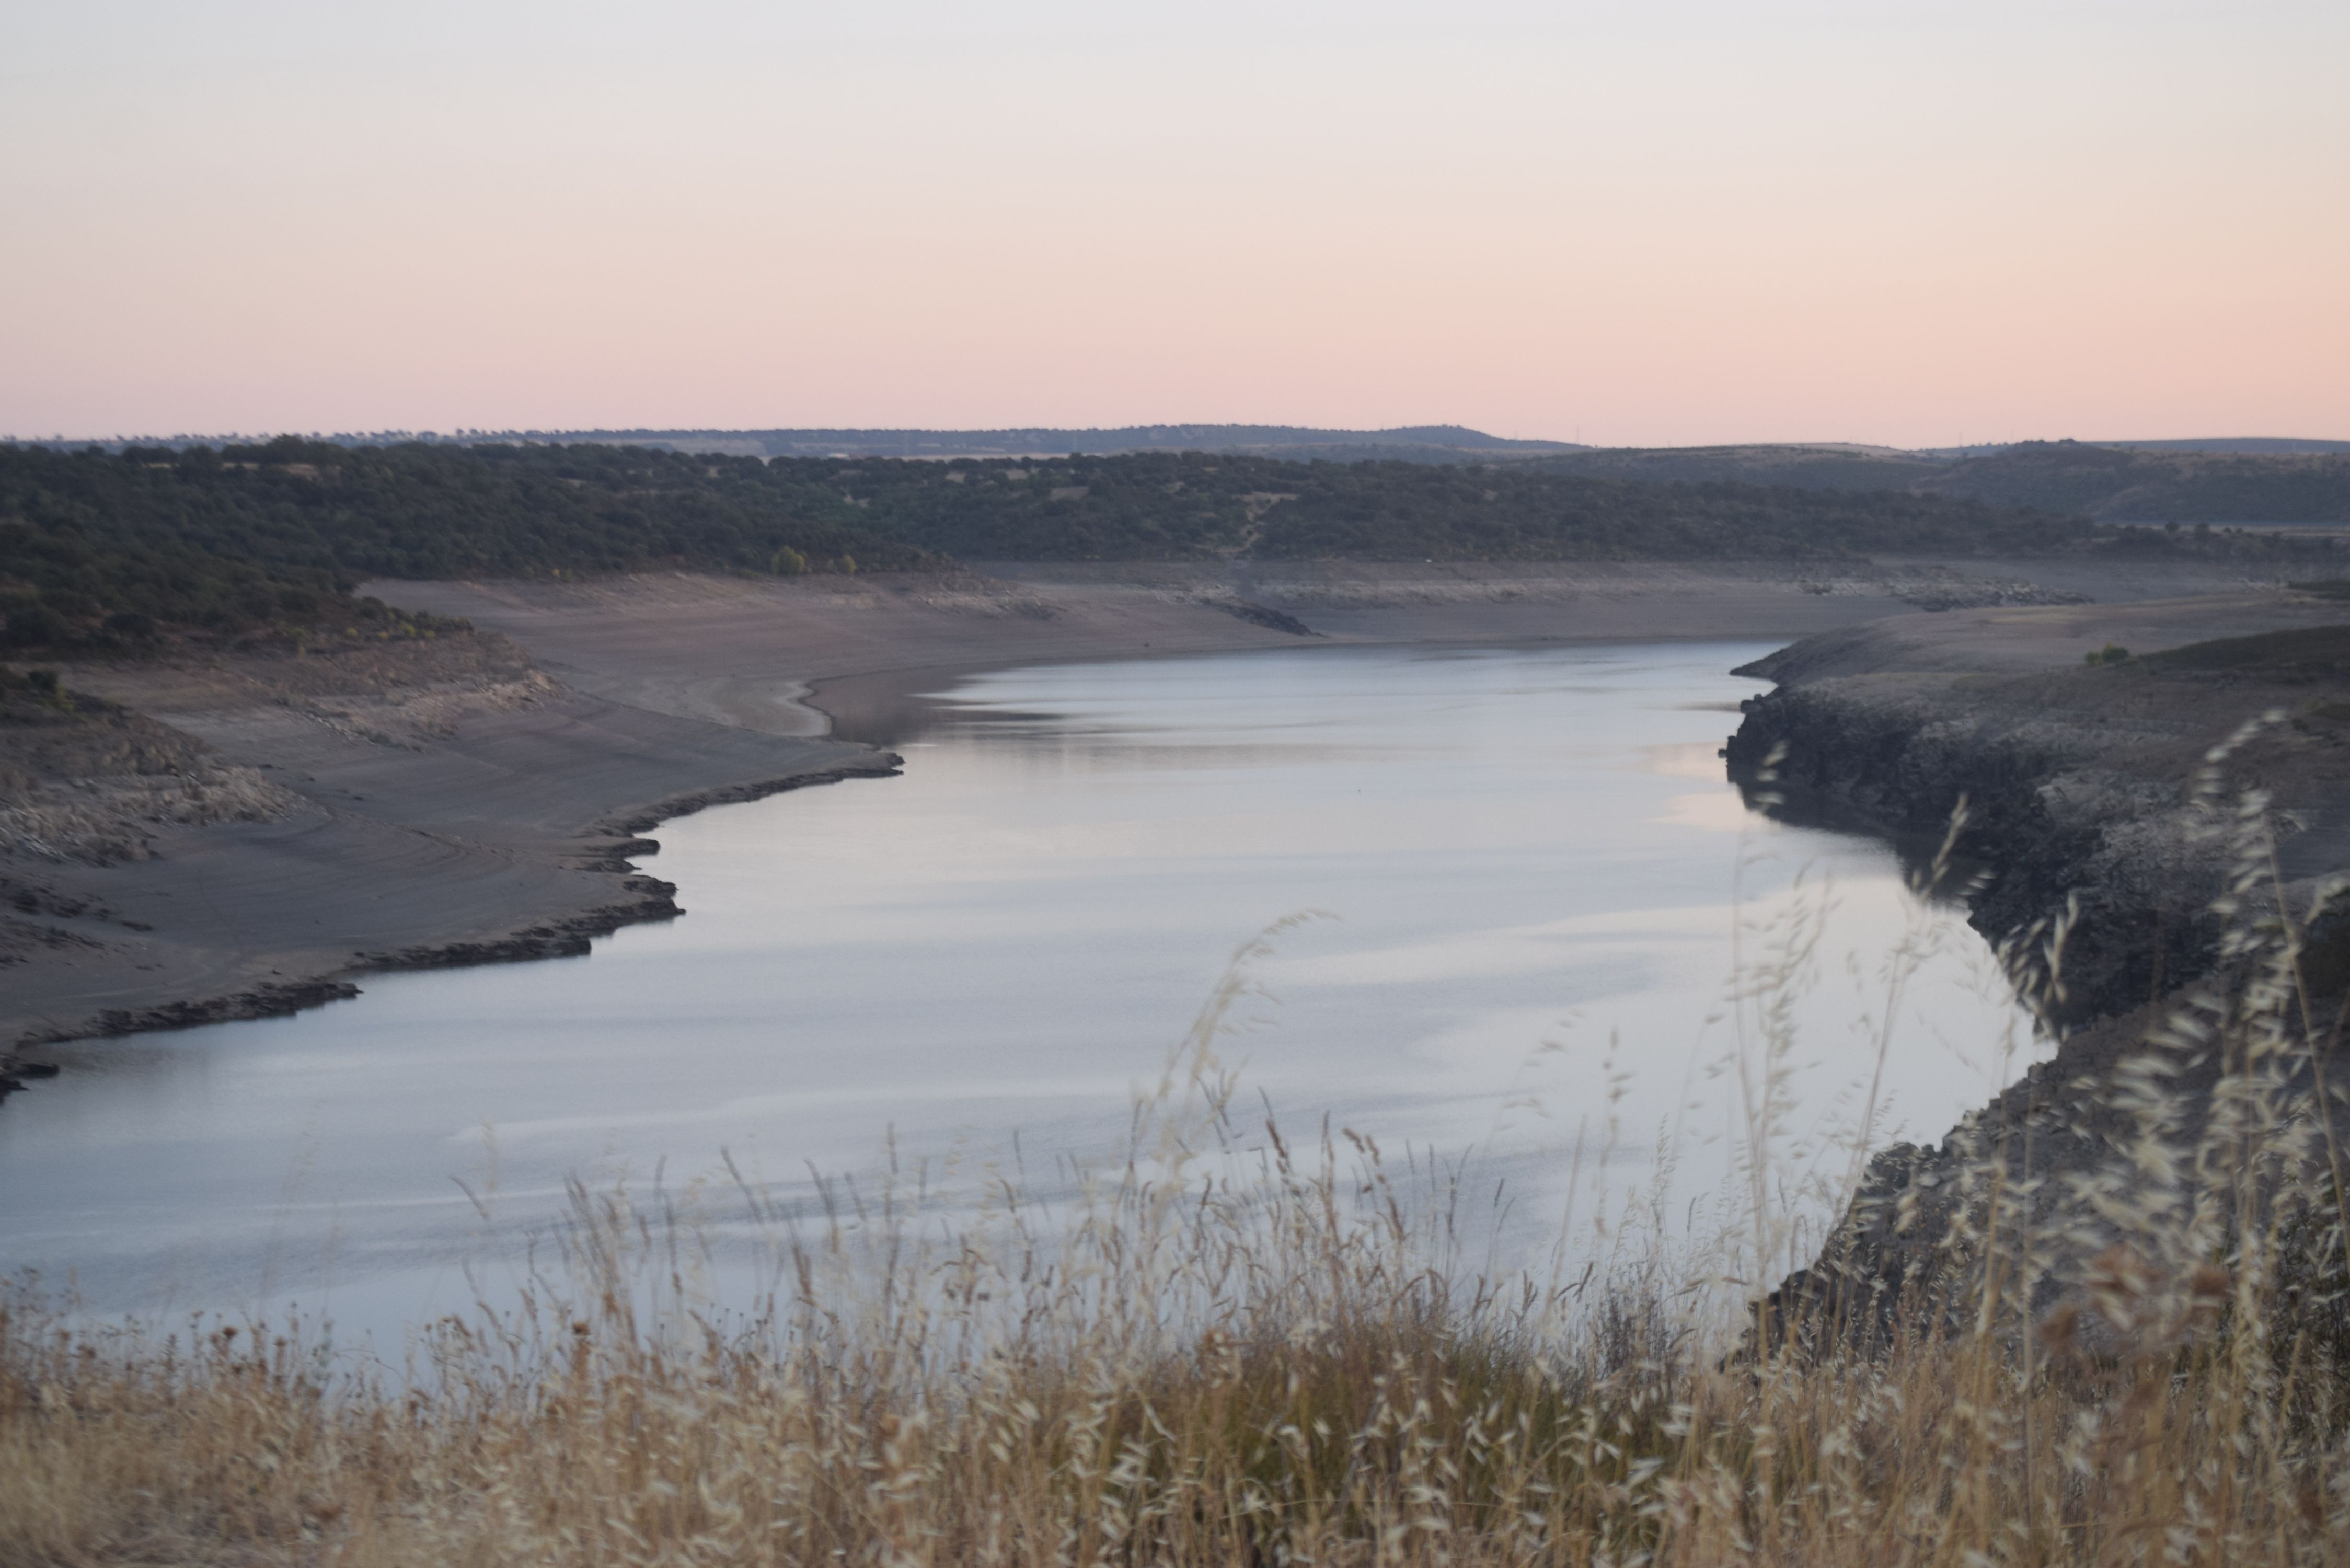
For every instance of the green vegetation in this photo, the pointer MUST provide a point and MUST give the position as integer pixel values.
(33, 693)
(1413, 443)
(2120, 484)
(103, 552)
(1805, 467)
(64, 583)
(2112, 653)
(2072, 478)
(1195, 506)
(2310, 653)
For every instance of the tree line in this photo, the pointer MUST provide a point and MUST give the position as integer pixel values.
(103, 550)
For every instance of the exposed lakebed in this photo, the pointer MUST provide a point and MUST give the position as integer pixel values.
(1540, 890)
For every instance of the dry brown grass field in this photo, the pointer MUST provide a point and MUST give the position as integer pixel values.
(1197, 1356)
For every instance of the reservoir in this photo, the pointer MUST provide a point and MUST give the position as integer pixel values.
(1527, 931)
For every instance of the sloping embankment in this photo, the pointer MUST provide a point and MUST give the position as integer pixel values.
(2077, 779)
(2091, 786)
(236, 835)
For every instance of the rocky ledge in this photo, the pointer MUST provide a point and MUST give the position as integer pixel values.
(2105, 789)
(2160, 808)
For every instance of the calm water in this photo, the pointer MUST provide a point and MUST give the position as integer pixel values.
(1539, 885)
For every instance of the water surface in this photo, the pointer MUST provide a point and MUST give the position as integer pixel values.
(1538, 888)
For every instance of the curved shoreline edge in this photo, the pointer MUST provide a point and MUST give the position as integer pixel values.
(489, 834)
(651, 899)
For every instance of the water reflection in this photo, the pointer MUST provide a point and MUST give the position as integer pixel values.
(1541, 880)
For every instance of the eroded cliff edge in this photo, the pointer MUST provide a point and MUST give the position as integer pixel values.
(2077, 778)
(2081, 743)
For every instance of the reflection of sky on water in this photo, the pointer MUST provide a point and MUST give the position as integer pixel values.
(1534, 870)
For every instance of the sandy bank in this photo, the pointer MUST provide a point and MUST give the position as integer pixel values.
(748, 651)
(413, 822)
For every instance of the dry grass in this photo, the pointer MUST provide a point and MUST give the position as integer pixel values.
(1201, 1357)
(1340, 1407)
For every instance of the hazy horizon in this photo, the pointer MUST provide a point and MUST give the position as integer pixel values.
(1887, 222)
(1363, 438)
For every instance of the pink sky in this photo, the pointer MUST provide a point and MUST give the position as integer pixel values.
(1890, 221)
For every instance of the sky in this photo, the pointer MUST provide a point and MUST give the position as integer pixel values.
(1679, 222)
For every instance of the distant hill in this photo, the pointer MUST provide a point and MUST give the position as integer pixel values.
(2242, 478)
(2271, 445)
(1409, 444)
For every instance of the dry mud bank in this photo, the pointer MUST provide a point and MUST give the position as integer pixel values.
(294, 821)
(749, 650)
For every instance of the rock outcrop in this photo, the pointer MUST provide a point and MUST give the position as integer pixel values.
(2180, 817)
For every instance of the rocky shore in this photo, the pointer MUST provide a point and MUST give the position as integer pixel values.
(2113, 774)
(2077, 780)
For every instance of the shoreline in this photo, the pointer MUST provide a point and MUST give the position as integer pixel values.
(568, 935)
(754, 652)
(504, 830)
(434, 818)
(2080, 779)
(2074, 772)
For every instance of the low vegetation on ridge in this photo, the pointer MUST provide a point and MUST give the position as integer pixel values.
(100, 550)
(2112, 484)
(1189, 506)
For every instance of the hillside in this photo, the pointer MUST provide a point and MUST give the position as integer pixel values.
(100, 550)
(2145, 484)
(2246, 480)
(2271, 445)
(1404, 443)
(1190, 506)
(1825, 466)
(2250, 479)
(1412, 443)
(109, 551)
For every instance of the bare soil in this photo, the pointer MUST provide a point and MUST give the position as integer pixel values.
(302, 819)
